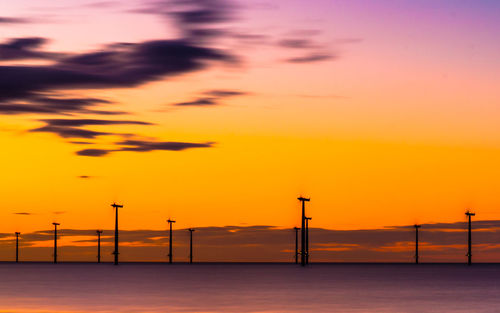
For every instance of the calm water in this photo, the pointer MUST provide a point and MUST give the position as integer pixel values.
(248, 288)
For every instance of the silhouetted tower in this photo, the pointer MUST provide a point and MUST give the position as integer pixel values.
(116, 206)
(296, 244)
(55, 241)
(99, 232)
(191, 230)
(17, 246)
(307, 239)
(469, 214)
(170, 222)
(303, 231)
(416, 242)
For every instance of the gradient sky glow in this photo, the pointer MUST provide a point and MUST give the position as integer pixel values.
(383, 112)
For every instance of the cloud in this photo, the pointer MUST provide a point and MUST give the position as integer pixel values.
(69, 128)
(22, 213)
(13, 20)
(221, 93)
(194, 17)
(49, 105)
(271, 243)
(144, 146)
(116, 65)
(81, 142)
(93, 152)
(70, 132)
(25, 48)
(86, 122)
(312, 58)
(198, 102)
(297, 43)
(84, 176)
(211, 98)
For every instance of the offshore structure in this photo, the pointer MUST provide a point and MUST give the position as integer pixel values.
(99, 232)
(17, 246)
(116, 206)
(191, 230)
(170, 222)
(416, 242)
(307, 239)
(55, 241)
(469, 214)
(303, 231)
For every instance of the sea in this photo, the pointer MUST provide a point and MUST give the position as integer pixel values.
(234, 287)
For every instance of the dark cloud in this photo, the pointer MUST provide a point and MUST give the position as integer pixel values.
(84, 176)
(93, 152)
(198, 102)
(86, 122)
(225, 93)
(144, 146)
(117, 65)
(50, 105)
(81, 142)
(13, 20)
(312, 58)
(297, 43)
(25, 48)
(194, 17)
(70, 132)
(69, 128)
(22, 213)
(214, 97)
(439, 242)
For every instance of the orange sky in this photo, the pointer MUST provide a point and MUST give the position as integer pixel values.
(397, 124)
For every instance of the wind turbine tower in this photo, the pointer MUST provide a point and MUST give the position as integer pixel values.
(307, 239)
(55, 241)
(17, 246)
(99, 232)
(170, 222)
(116, 206)
(191, 230)
(469, 214)
(303, 231)
(416, 242)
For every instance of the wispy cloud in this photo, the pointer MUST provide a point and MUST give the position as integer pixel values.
(13, 20)
(270, 243)
(212, 97)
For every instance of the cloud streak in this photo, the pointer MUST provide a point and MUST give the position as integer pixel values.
(211, 98)
(144, 146)
(444, 242)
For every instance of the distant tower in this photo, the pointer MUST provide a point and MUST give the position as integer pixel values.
(469, 214)
(191, 230)
(416, 242)
(116, 206)
(296, 244)
(307, 239)
(55, 241)
(170, 222)
(303, 231)
(99, 232)
(17, 246)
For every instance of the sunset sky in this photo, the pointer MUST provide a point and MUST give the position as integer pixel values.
(220, 112)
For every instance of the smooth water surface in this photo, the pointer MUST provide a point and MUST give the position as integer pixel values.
(32, 287)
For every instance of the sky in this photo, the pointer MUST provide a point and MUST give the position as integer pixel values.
(220, 113)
